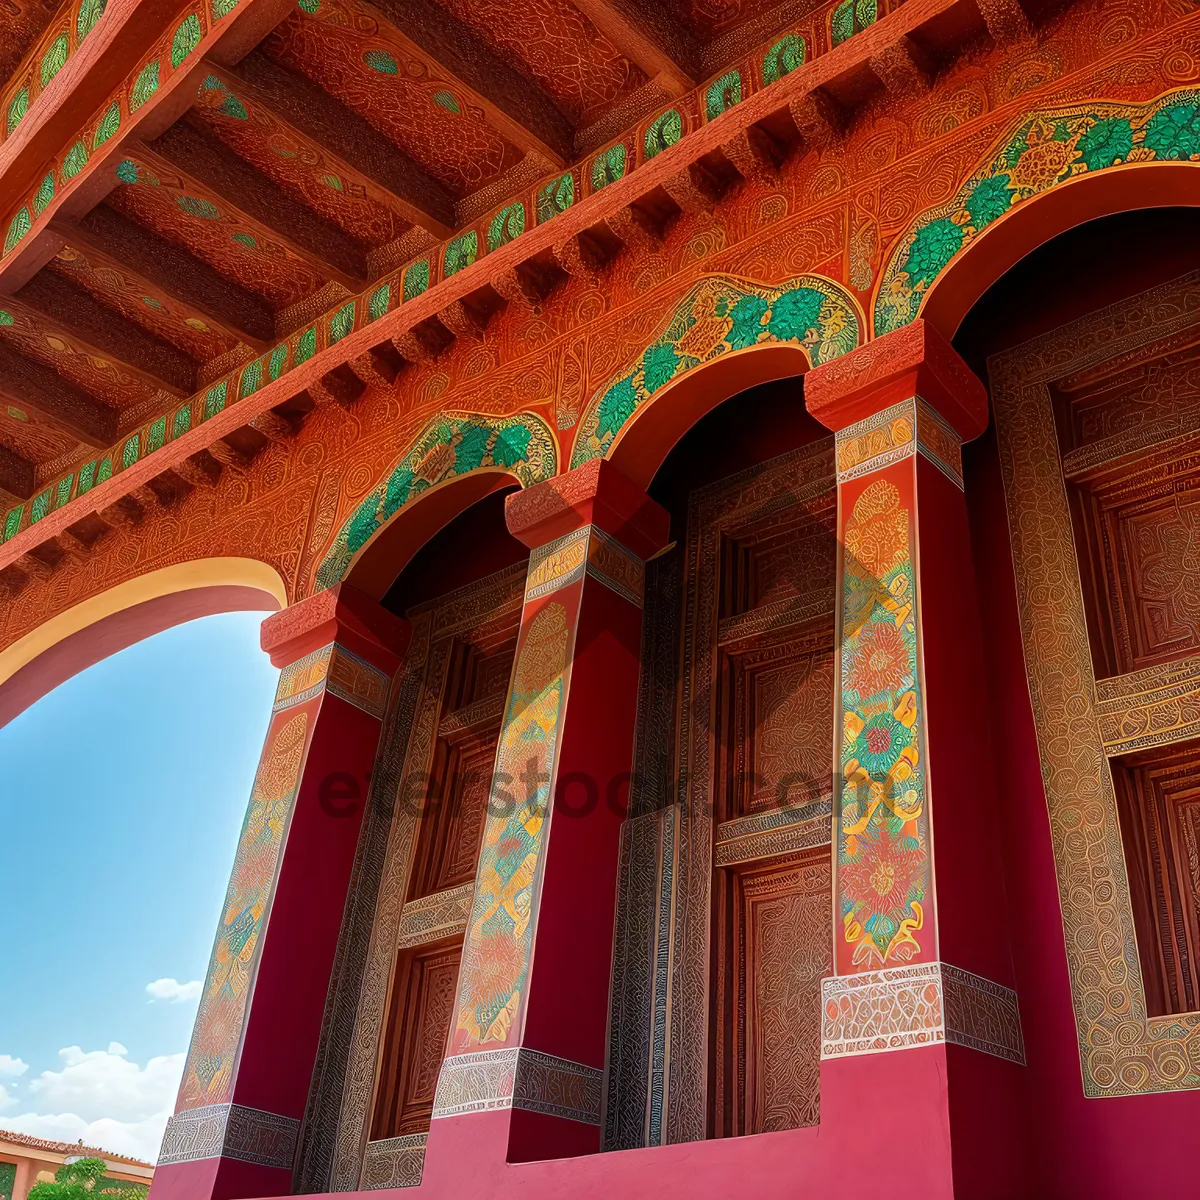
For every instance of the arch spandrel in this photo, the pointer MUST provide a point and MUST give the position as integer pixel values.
(1043, 153)
(452, 446)
(720, 316)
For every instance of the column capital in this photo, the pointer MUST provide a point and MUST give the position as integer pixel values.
(914, 360)
(338, 614)
(595, 493)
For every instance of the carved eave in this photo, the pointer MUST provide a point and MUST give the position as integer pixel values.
(807, 111)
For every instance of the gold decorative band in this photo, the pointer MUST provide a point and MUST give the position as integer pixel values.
(335, 669)
(894, 434)
(589, 551)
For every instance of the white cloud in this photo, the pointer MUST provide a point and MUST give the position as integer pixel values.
(12, 1068)
(173, 991)
(105, 1099)
(6, 1101)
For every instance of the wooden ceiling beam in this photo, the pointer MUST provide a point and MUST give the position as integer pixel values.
(108, 239)
(213, 172)
(27, 383)
(55, 303)
(17, 476)
(517, 107)
(351, 144)
(649, 34)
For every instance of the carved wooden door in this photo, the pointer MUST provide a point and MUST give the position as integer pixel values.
(386, 1031)
(724, 918)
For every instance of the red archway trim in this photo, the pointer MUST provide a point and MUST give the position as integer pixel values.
(137, 609)
(1030, 225)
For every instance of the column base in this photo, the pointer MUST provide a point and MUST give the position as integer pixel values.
(941, 1040)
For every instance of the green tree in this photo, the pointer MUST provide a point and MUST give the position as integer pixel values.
(82, 1179)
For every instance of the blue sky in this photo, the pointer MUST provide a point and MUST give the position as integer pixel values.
(121, 796)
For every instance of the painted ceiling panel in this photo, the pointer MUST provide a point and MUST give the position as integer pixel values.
(554, 43)
(357, 57)
(233, 246)
(296, 164)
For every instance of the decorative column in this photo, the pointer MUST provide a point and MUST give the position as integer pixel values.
(525, 1060)
(247, 1076)
(921, 1006)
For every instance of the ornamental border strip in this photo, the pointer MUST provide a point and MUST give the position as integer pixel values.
(757, 70)
(177, 49)
(70, 25)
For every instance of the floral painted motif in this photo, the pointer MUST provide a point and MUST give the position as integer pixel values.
(449, 446)
(717, 316)
(500, 933)
(883, 840)
(1043, 151)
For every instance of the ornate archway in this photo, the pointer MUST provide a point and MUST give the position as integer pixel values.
(493, 451)
(1050, 170)
(725, 335)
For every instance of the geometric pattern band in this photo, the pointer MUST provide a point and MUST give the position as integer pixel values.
(586, 551)
(230, 1131)
(899, 1008)
(484, 1080)
(336, 670)
(906, 429)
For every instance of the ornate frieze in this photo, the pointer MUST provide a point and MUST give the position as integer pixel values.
(230, 1131)
(925, 1004)
(774, 831)
(518, 1078)
(1150, 707)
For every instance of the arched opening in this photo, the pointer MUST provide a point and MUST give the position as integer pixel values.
(417, 524)
(644, 443)
(1083, 495)
(114, 619)
(728, 832)
(460, 582)
(1152, 188)
(122, 794)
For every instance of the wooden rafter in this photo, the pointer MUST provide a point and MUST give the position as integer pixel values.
(109, 239)
(213, 172)
(28, 384)
(56, 304)
(519, 109)
(351, 145)
(17, 476)
(649, 35)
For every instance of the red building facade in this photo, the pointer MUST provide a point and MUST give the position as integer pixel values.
(727, 475)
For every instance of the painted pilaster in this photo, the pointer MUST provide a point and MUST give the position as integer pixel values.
(522, 1078)
(921, 951)
(253, 1048)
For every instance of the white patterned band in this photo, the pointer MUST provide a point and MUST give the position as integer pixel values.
(519, 1078)
(230, 1131)
(899, 1008)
